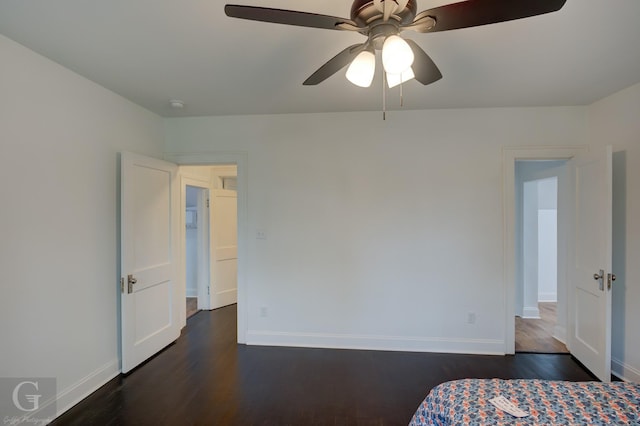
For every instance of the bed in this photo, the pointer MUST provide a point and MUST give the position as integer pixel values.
(466, 402)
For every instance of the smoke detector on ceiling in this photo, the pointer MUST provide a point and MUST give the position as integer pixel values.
(176, 104)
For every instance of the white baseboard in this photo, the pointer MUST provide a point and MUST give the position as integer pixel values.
(380, 343)
(531, 312)
(67, 398)
(192, 292)
(625, 371)
(560, 334)
(547, 297)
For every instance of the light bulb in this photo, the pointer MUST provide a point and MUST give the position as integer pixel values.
(397, 55)
(395, 79)
(362, 69)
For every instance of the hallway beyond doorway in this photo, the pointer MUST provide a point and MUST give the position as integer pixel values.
(192, 306)
(536, 335)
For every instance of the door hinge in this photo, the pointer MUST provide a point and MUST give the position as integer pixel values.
(122, 284)
(207, 202)
(208, 290)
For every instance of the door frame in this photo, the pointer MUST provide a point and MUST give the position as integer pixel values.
(509, 157)
(203, 258)
(562, 210)
(240, 159)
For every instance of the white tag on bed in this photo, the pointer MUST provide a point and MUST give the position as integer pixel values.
(504, 404)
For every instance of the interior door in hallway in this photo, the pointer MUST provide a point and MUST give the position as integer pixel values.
(150, 302)
(224, 248)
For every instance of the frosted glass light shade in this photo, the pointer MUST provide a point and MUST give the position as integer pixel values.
(362, 69)
(395, 79)
(397, 55)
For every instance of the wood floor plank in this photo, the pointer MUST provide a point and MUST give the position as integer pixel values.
(205, 378)
(192, 306)
(536, 335)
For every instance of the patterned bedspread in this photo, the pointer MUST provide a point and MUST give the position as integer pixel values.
(466, 402)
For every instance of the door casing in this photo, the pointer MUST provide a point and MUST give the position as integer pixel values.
(240, 159)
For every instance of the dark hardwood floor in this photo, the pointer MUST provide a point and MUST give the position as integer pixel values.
(205, 378)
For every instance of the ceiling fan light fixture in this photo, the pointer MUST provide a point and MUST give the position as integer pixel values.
(394, 80)
(397, 56)
(362, 69)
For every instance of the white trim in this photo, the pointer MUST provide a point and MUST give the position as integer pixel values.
(374, 342)
(78, 391)
(509, 157)
(547, 297)
(531, 312)
(625, 371)
(241, 160)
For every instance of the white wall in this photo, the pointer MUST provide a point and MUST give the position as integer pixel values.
(614, 121)
(548, 240)
(547, 255)
(380, 234)
(59, 139)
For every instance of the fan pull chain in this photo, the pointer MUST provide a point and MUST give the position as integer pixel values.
(384, 95)
(401, 96)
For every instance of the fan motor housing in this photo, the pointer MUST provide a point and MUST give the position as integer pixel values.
(363, 12)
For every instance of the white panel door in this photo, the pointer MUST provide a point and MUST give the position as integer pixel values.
(224, 248)
(591, 245)
(150, 301)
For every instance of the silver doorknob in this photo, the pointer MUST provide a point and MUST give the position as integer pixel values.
(599, 276)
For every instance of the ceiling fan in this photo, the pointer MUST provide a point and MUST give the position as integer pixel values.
(382, 21)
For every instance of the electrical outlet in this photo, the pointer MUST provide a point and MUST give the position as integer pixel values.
(471, 318)
(264, 312)
(261, 234)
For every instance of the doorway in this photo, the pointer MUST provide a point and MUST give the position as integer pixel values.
(540, 305)
(240, 161)
(210, 236)
(512, 234)
(196, 251)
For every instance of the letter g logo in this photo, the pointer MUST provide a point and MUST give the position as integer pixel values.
(33, 399)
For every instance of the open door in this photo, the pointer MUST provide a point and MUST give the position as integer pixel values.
(590, 262)
(150, 302)
(224, 248)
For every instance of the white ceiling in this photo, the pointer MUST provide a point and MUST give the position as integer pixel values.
(151, 51)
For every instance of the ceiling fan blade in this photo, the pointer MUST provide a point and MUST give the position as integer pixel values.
(335, 64)
(472, 13)
(425, 70)
(388, 8)
(288, 17)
